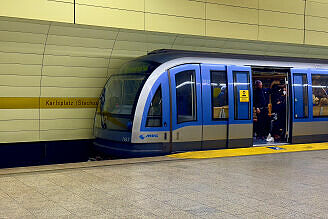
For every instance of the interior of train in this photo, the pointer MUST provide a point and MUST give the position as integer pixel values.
(270, 106)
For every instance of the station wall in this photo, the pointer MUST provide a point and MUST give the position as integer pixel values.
(292, 21)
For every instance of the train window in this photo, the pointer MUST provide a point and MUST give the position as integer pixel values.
(320, 95)
(186, 96)
(241, 83)
(154, 117)
(219, 95)
(301, 104)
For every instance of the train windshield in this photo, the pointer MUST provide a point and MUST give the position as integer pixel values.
(120, 94)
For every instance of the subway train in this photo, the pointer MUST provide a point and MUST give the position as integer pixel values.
(171, 101)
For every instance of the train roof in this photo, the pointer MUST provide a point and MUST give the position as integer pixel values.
(163, 55)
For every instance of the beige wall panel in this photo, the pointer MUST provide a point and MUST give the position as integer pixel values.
(72, 82)
(69, 92)
(184, 8)
(22, 37)
(61, 71)
(18, 69)
(26, 26)
(19, 81)
(233, 14)
(172, 24)
(87, 113)
(147, 37)
(231, 30)
(316, 38)
(52, 135)
(239, 3)
(20, 58)
(189, 41)
(19, 92)
(315, 8)
(109, 17)
(130, 45)
(20, 136)
(156, 46)
(38, 9)
(77, 51)
(75, 61)
(82, 31)
(128, 53)
(50, 124)
(19, 125)
(66, 71)
(292, 6)
(79, 41)
(280, 35)
(279, 19)
(12, 114)
(21, 47)
(136, 5)
(316, 23)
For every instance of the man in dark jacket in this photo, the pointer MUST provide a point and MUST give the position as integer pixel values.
(261, 101)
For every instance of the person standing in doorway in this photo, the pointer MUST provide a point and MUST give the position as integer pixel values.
(261, 101)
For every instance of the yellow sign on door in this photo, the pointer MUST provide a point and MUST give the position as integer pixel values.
(244, 97)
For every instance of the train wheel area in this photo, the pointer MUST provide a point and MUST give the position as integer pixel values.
(250, 151)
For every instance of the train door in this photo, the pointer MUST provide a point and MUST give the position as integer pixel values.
(215, 106)
(186, 107)
(240, 123)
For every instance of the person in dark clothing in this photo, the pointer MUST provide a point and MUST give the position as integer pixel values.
(279, 107)
(261, 101)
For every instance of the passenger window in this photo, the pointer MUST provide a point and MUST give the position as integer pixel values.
(301, 104)
(186, 96)
(154, 116)
(319, 95)
(241, 83)
(219, 95)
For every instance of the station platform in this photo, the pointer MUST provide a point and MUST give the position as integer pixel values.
(269, 184)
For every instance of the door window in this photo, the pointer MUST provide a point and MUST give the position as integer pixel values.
(301, 96)
(320, 95)
(219, 95)
(186, 96)
(154, 116)
(241, 95)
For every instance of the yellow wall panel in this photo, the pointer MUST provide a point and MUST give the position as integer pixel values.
(316, 38)
(12, 114)
(316, 23)
(72, 82)
(239, 3)
(280, 35)
(173, 24)
(21, 47)
(315, 8)
(52, 135)
(232, 14)
(116, 62)
(293, 6)
(19, 91)
(137, 5)
(81, 123)
(87, 113)
(19, 81)
(146, 37)
(278, 19)
(59, 71)
(20, 58)
(19, 136)
(19, 125)
(69, 92)
(18, 69)
(39, 27)
(186, 8)
(38, 9)
(109, 17)
(22, 37)
(75, 61)
(77, 51)
(231, 30)
(79, 41)
(129, 53)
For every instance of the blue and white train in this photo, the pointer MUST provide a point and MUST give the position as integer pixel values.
(172, 101)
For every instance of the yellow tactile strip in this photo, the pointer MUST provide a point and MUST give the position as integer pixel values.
(250, 151)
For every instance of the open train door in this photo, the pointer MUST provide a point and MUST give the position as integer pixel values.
(240, 123)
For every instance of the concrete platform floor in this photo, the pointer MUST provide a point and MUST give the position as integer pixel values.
(284, 185)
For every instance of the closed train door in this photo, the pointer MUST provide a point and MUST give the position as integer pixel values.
(186, 107)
